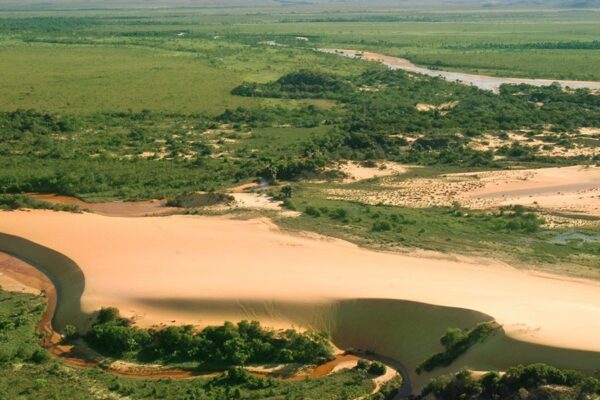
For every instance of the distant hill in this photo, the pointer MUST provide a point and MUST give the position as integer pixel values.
(334, 4)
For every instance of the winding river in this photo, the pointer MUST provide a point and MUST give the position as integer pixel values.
(485, 82)
(204, 270)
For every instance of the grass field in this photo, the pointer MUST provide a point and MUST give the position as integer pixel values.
(189, 61)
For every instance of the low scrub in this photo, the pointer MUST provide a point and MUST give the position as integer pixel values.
(12, 202)
(197, 200)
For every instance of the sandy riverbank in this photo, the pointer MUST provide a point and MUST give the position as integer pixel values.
(203, 270)
(148, 266)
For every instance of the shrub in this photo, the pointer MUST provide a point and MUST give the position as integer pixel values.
(71, 332)
(40, 356)
(381, 226)
(338, 214)
(457, 342)
(312, 211)
(376, 368)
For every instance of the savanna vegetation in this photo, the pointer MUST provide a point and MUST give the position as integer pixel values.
(501, 233)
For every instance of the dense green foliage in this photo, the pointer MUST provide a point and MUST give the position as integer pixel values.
(230, 344)
(18, 317)
(535, 381)
(456, 342)
(298, 85)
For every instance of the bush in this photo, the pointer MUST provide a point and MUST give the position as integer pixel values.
(71, 332)
(339, 214)
(40, 356)
(312, 211)
(376, 368)
(229, 344)
(381, 226)
(457, 342)
(519, 380)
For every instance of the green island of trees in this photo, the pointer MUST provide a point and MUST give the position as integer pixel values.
(214, 347)
(456, 342)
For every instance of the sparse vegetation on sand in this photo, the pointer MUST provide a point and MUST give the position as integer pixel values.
(515, 234)
(22, 201)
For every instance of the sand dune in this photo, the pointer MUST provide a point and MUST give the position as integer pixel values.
(164, 269)
(204, 270)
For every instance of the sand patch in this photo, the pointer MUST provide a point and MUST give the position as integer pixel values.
(256, 201)
(574, 190)
(355, 171)
(444, 107)
(589, 131)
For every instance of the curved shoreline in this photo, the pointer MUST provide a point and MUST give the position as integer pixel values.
(396, 328)
(485, 82)
(79, 355)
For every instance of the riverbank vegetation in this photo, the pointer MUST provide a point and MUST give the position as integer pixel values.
(10, 202)
(28, 371)
(535, 381)
(215, 347)
(457, 342)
